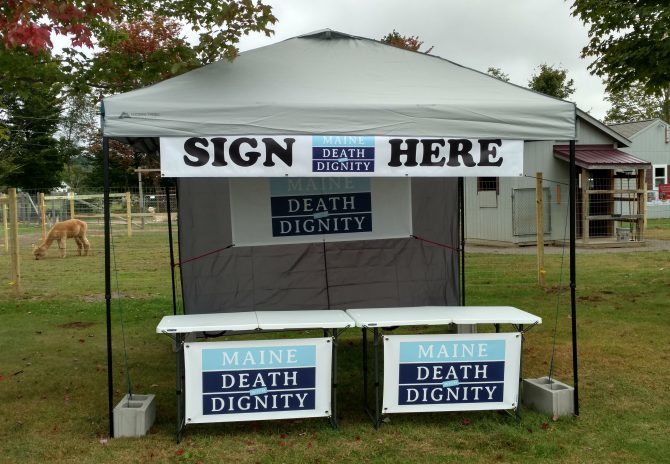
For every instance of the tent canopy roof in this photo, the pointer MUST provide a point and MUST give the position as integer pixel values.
(329, 82)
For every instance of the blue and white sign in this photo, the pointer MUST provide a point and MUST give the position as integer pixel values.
(257, 380)
(451, 372)
(332, 153)
(346, 208)
(316, 209)
(339, 155)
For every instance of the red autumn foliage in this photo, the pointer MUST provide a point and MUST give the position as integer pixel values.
(30, 23)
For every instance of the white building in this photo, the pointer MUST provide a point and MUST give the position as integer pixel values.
(650, 140)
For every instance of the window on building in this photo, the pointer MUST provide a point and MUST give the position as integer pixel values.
(487, 184)
(660, 175)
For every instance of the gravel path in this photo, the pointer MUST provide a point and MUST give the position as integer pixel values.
(648, 246)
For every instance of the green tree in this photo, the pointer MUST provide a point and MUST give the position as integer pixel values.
(78, 123)
(498, 74)
(30, 105)
(630, 44)
(634, 104)
(552, 81)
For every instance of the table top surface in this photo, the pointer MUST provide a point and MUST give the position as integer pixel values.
(215, 322)
(440, 315)
(255, 320)
(337, 319)
(307, 319)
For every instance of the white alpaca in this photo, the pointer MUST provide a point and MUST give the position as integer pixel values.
(72, 228)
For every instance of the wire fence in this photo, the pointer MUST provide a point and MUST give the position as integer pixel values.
(130, 209)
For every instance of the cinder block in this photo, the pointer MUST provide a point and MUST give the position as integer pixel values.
(548, 396)
(134, 415)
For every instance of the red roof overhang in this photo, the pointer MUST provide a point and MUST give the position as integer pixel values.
(600, 157)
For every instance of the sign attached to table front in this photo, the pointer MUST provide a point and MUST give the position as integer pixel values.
(257, 380)
(463, 372)
(339, 155)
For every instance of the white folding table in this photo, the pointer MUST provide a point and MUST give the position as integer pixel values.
(379, 318)
(235, 323)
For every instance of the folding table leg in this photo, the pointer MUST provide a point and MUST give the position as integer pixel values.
(517, 410)
(377, 420)
(333, 390)
(179, 344)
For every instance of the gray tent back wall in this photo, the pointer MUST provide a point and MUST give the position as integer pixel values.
(330, 275)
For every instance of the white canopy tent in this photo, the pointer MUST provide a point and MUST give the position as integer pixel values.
(330, 83)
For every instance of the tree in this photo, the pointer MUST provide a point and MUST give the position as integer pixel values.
(135, 55)
(552, 81)
(78, 123)
(132, 55)
(498, 74)
(630, 43)
(30, 104)
(30, 23)
(407, 42)
(634, 104)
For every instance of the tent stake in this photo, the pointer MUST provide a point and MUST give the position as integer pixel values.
(573, 272)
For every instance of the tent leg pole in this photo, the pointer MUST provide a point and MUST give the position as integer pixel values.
(108, 285)
(573, 273)
(461, 220)
(169, 219)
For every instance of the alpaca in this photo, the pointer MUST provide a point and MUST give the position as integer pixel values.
(72, 228)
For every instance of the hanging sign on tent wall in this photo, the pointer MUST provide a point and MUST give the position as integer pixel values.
(463, 372)
(257, 380)
(315, 209)
(339, 155)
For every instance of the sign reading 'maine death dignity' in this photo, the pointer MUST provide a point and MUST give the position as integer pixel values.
(339, 208)
(255, 380)
(451, 372)
(339, 155)
(315, 209)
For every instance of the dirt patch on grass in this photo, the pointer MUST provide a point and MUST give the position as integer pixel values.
(97, 297)
(76, 325)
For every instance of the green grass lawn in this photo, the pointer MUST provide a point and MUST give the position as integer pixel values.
(53, 388)
(658, 229)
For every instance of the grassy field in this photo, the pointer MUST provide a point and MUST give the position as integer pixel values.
(53, 369)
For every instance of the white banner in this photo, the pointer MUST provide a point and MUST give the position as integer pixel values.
(464, 372)
(306, 210)
(339, 155)
(257, 380)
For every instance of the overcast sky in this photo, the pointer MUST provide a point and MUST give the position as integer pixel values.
(514, 35)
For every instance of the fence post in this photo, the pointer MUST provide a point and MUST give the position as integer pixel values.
(642, 203)
(5, 228)
(15, 271)
(71, 196)
(539, 228)
(43, 216)
(129, 216)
